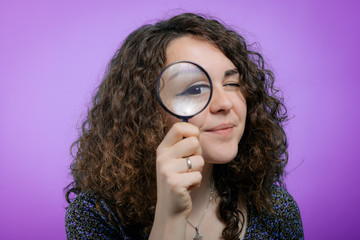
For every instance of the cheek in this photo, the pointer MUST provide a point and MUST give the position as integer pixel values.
(199, 119)
(240, 106)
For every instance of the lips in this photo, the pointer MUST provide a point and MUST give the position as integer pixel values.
(222, 129)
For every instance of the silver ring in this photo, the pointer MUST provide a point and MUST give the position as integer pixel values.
(189, 163)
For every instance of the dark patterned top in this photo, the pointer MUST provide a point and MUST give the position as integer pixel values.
(84, 221)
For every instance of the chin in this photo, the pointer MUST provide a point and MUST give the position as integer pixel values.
(220, 152)
(219, 157)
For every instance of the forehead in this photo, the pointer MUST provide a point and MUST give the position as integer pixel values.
(188, 48)
(200, 51)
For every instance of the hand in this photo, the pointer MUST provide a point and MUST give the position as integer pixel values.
(174, 180)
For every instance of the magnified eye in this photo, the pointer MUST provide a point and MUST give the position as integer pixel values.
(195, 90)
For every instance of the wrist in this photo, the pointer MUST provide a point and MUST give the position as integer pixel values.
(168, 227)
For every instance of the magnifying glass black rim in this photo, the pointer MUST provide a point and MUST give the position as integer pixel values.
(183, 118)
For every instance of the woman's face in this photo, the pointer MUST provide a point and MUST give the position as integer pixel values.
(222, 122)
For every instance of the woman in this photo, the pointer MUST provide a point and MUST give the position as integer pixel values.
(140, 173)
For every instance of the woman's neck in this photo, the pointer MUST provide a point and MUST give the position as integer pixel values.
(200, 195)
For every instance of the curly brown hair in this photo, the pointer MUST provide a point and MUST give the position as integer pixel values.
(115, 153)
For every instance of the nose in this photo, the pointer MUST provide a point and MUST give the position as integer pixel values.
(220, 101)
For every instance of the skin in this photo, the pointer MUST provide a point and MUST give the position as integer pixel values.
(210, 137)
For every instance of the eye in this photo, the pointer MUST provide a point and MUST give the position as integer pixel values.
(232, 85)
(195, 90)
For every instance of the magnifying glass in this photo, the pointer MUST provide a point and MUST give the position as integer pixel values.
(184, 89)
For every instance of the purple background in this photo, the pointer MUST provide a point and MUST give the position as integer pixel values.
(53, 55)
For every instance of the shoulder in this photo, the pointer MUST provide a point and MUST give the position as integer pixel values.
(287, 214)
(83, 220)
(284, 223)
(283, 203)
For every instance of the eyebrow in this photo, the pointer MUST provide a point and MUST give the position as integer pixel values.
(174, 75)
(231, 72)
(192, 70)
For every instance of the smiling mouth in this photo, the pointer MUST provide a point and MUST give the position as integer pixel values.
(223, 130)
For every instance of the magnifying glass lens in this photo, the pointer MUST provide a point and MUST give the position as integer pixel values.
(184, 89)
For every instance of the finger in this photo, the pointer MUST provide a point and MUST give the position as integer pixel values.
(192, 179)
(181, 165)
(189, 180)
(185, 147)
(179, 131)
(193, 163)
